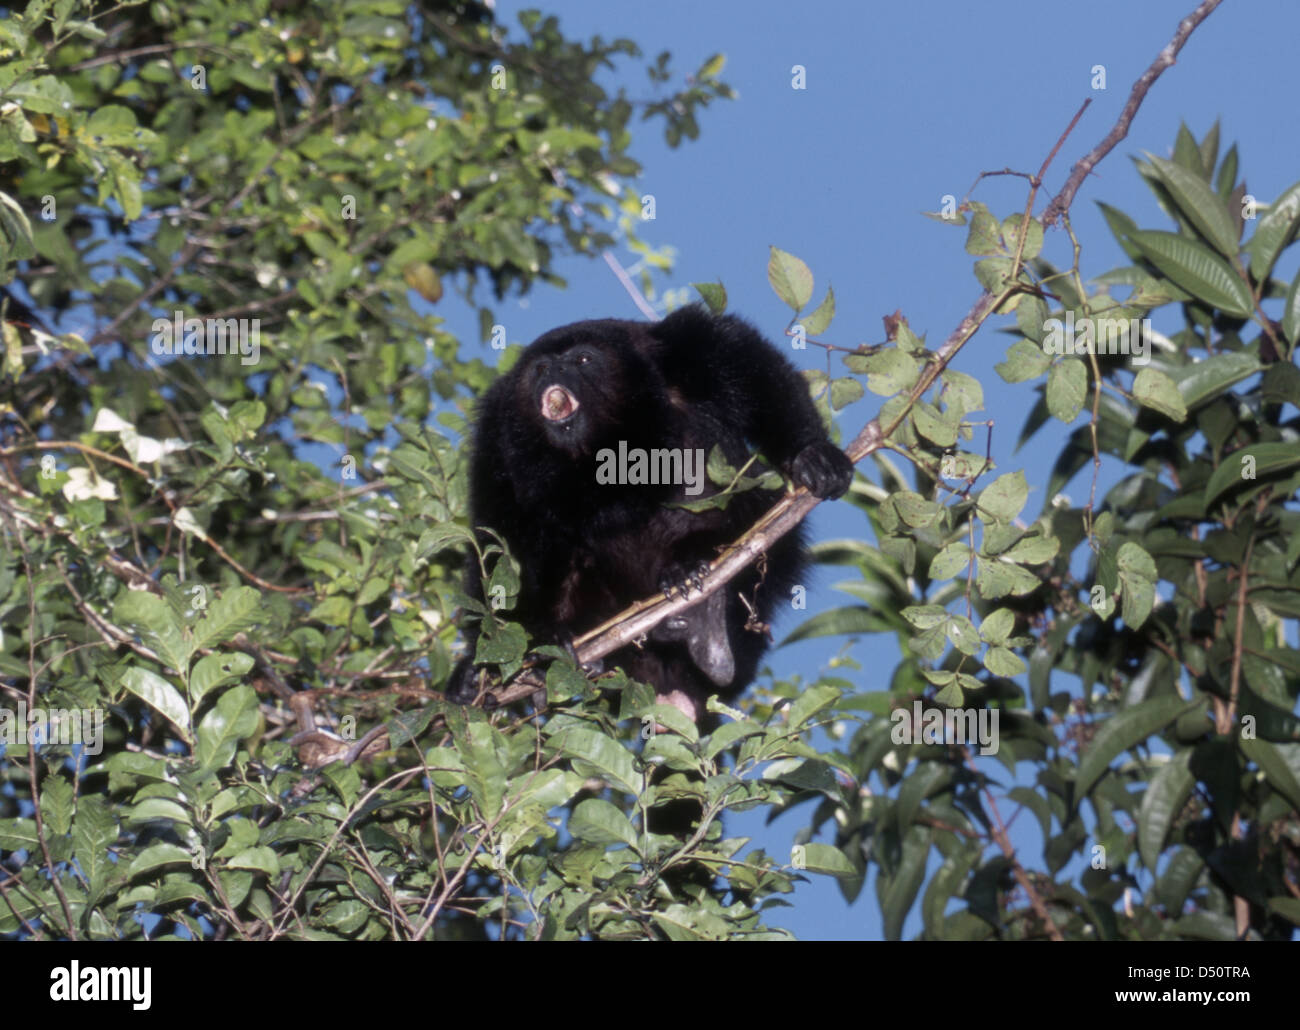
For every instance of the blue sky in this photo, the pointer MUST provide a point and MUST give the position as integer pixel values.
(907, 103)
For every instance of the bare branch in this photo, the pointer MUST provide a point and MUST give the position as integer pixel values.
(1165, 59)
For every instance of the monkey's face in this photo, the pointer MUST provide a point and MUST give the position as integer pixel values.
(576, 395)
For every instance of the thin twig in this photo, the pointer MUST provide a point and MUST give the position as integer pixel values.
(1165, 59)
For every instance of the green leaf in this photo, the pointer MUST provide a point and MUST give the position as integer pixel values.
(951, 561)
(1031, 317)
(115, 126)
(889, 371)
(483, 752)
(790, 278)
(547, 789)
(597, 821)
(938, 427)
(1037, 804)
(236, 610)
(1178, 878)
(714, 296)
(914, 509)
(56, 805)
(344, 780)
(1156, 390)
(996, 578)
(1199, 204)
(162, 809)
(1033, 550)
(1137, 576)
(1291, 313)
(1004, 498)
(673, 720)
(1067, 388)
(1205, 925)
(15, 230)
(819, 320)
(962, 394)
(1275, 231)
(604, 755)
(1248, 464)
(822, 858)
(158, 626)
(712, 68)
(948, 881)
(234, 717)
(928, 778)
(122, 182)
(159, 695)
(1164, 799)
(810, 701)
(93, 831)
(897, 892)
(1122, 731)
(1204, 380)
(1287, 908)
(1002, 661)
(1209, 150)
(994, 273)
(18, 835)
(1225, 182)
(1187, 155)
(42, 95)
(1281, 777)
(726, 735)
(1197, 269)
(683, 923)
(1033, 235)
(86, 30)
(1121, 227)
(845, 391)
(997, 625)
(158, 855)
(259, 858)
(1025, 360)
(440, 537)
(984, 237)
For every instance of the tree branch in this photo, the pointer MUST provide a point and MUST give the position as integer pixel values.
(1060, 205)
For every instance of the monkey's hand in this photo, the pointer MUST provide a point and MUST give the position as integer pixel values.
(564, 638)
(466, 682)
(823, 468)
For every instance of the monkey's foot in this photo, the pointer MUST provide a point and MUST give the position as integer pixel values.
(682, 577)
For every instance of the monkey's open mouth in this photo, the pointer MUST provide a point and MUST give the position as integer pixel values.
(558, 403)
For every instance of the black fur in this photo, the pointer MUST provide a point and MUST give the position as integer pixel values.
(587, 549)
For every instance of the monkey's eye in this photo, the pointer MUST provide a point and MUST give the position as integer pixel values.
(583, 358)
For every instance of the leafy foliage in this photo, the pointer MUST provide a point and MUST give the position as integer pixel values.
(1155, 625)
(205, 553)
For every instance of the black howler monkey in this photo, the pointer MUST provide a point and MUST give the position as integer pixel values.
(546, 438)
